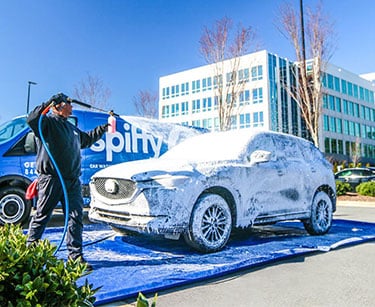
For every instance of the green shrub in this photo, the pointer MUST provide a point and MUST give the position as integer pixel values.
(143, 302)
(33, 276)
(342, 188)
(366, 188)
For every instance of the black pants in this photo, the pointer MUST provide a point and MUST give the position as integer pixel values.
(49, 194)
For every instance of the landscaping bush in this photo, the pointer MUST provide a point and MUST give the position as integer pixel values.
(33, 276)
(366, 188)
(342, 188)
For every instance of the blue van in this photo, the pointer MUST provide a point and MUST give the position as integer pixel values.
(135, 138)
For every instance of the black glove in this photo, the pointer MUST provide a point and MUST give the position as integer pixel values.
(104, 128)
(57, 99)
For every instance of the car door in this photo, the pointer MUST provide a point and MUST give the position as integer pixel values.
(292, 176)
(262, 197)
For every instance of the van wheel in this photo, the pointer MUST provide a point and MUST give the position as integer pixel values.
(320, 220)
(14, 207)
(210, 224)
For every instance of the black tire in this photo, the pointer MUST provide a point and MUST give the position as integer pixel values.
(320, 220)
(210, 224)
(14, 207)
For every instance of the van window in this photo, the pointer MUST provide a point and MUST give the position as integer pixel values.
(12, 128)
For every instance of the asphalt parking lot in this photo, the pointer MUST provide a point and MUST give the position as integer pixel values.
(342, 277)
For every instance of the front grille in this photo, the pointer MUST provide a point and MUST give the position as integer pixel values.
(125, 188)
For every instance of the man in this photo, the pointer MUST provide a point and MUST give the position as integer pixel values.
(64, 142)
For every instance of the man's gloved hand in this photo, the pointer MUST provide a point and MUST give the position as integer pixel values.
(57, 99)
(104, 128)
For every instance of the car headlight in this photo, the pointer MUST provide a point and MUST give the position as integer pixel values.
(165, 181)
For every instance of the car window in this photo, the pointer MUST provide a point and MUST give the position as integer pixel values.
(344, 173)
(367, 173)
(287, 147)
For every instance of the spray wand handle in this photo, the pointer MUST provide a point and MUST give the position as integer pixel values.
(46, 109)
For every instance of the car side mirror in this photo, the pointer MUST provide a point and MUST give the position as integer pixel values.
(260, 156)
(30, 143)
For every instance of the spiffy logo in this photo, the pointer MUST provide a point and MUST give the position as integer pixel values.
(132, 140)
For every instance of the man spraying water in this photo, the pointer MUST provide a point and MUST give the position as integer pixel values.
(64, 142)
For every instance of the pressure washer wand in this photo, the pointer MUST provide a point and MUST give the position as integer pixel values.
(86, 105)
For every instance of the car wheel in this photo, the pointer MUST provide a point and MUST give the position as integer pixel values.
(320, 220)
(14, 207)
(210, 224)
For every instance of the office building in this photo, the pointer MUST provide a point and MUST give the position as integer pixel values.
(347, 124)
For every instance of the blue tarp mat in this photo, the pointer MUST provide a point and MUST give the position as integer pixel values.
(126, 265)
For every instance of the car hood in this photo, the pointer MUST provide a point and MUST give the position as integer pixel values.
(142, 170)
(146, 169)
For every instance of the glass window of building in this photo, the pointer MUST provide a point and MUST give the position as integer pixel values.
(244, 97)
(216, 124)
(355, 90)
(350, 88)
(331, 102)
(338, 104)
(345, 106)
(184, 108)
(207, 123)
(346, 127)
(325, 101)
(361, 93)
(196, 123)
(195, 86)
(216, 102)
(257, 119)
(327, 147)
(165, 93)
(257, 95)
(338, 125)
(233, 120)
(257, 73)
(337, 84)
(184, 88)
(332, 124)
(206, 84)
(340, 147)
(165, 111)
(325, 123)
(207, 104)
(330, 81)
(243, 75)
(245, 120)
(196, 106)
(218, 81)
(230, 77)
(343, 86)
(175, 109)
(333, 146)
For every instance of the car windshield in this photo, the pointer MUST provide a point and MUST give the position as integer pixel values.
(11, 128)
(213, 146)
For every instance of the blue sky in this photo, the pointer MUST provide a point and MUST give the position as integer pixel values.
(129, 44)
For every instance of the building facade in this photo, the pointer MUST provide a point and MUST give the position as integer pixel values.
(348, 117)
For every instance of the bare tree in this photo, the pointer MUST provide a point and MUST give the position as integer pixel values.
(356, 152)
(93, 91)
(146, 104)
(220, 50)
(307, 91)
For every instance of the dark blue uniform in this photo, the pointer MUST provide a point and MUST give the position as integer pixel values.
(65, 142)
